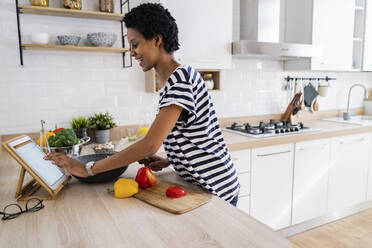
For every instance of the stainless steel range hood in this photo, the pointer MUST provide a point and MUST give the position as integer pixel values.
(264, 31)
(283, 51)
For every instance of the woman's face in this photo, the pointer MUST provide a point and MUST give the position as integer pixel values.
(144, 51)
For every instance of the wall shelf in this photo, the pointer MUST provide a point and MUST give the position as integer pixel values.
(74, 48)
(46, 11)
(215, 76)
(36, 10)
(153, 82)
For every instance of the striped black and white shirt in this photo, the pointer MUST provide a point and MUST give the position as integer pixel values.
(195, 147)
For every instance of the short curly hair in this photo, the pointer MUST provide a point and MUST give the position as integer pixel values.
(151, 19)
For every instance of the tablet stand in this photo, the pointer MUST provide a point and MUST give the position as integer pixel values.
(23, 193)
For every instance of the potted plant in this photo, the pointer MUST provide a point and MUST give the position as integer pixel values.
(101, 123)
(80, 126)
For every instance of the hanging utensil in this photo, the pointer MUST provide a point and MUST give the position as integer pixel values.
(289, 88)
(310, 94)
(303, 95)
(316, 106)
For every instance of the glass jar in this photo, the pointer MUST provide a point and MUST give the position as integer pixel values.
(208, 79)
(106, 6)
(41, 3)
(72, 4)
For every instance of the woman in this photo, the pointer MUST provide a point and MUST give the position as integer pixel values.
(186, 122)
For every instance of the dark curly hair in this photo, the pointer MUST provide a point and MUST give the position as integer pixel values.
(151, 19)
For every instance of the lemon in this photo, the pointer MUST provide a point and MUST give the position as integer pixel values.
(143, 131)
(44, 141)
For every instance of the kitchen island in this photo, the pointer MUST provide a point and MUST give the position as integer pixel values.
(85, 215)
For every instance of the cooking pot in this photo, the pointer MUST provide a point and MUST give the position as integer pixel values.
(72, 151)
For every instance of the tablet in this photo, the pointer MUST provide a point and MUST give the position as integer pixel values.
(33, 156)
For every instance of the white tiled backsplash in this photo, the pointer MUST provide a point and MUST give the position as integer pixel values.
(56, 86)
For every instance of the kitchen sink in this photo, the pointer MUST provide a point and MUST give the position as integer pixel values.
(362, 120)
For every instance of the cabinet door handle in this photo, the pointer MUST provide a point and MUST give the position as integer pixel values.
(312, 148)
(352, 142)
(274, 153)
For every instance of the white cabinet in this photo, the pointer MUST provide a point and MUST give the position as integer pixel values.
(348, 171)
(310, 180)
(271, 185)
(205, 32)
(369, 185)
(242, 162)
(333, 26)
(244, 204)
(327, 23)
(367, 54)
(358, 36)
(245, 184)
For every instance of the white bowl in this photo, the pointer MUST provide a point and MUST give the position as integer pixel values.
(40, 38)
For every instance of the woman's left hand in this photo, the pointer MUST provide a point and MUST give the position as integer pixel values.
(155, 163)
(73, 166)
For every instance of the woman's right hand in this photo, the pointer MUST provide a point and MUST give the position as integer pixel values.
(73, 166)
(155, 163)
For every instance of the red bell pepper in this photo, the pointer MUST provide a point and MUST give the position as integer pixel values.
(57, 130)
(145, 178)
(175, 192)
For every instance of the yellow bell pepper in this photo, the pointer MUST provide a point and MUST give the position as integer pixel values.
(50, 133)
(124, 188)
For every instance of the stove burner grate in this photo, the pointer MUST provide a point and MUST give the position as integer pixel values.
(271, 128)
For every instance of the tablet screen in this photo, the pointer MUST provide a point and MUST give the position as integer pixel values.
(32, 155)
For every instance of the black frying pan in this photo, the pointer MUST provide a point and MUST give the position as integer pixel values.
(101, 177)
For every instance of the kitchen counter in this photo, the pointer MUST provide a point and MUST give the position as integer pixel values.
(85, 215)
(327, 129)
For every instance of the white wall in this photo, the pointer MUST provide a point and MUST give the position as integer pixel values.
(56, 86)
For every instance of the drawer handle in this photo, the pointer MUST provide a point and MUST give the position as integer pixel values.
(271, 154)
(352, 142)
(312, 148)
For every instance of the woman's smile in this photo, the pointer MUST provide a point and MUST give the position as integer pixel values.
(140, 61)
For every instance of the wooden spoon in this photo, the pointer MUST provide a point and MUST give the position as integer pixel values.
(303, 96)
(316, 106)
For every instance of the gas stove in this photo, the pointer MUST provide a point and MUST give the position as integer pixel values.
(268, 129)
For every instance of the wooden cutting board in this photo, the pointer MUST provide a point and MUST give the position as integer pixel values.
(155, 196)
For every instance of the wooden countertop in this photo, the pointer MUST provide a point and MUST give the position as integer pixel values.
(327, 129)
(85, 215)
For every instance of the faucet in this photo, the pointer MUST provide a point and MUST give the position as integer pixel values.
(348, 114)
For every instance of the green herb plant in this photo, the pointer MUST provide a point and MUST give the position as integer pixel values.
(100, 121)
(79, 123)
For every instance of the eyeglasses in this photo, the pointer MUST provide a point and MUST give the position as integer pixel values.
(12, 211)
